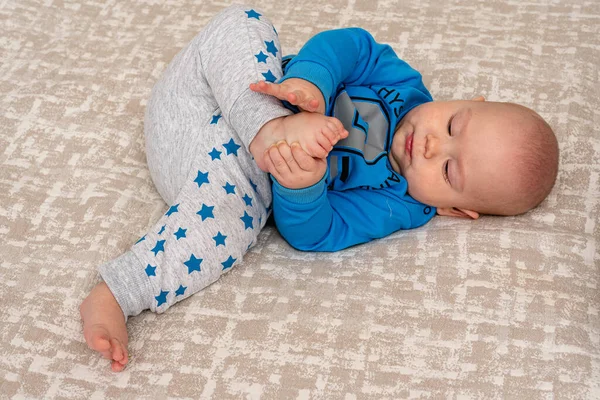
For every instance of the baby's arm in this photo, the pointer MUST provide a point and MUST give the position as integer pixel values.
(311, 217)
(348, 56)
(318, 219)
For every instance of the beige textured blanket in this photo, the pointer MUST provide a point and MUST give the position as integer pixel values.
(491, 309)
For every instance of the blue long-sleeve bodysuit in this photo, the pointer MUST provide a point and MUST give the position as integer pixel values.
(360, 198)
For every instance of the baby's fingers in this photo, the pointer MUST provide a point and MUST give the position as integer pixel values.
(304, 161)
(280, 164)
(303, 100)
(298, 98)
(286, 154)
(271, 168)
(312, 105)
(272, 89)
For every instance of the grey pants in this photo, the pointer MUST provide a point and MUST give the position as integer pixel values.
(200, 119)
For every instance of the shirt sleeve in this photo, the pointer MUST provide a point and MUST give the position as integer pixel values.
(316, 219)
(350, 56)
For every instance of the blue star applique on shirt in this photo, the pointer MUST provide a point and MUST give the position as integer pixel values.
(215, 119)
(247, 199)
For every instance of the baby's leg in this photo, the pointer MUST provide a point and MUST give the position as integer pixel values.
(211, 77)
(213, 221)
(200, 119)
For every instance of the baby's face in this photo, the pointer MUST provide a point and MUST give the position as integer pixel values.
(453, 154)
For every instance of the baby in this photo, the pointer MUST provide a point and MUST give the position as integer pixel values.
(353, 141)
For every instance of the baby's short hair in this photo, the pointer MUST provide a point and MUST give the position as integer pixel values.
(535, 165)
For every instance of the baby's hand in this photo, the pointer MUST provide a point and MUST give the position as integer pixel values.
(296, 91)
(316, 133)
(292, 167)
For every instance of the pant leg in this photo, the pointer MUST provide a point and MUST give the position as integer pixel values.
(198, 126)
(210, 77)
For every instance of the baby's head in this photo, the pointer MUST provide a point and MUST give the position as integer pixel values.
(476, 157)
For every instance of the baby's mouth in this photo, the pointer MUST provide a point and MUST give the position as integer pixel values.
(408, 145)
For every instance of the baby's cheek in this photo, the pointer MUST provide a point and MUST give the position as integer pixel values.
(420, 188)
(414, 188)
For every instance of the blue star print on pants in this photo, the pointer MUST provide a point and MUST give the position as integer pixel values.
(214, 220)
(253, 14)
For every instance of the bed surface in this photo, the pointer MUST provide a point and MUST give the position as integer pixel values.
(496, 308)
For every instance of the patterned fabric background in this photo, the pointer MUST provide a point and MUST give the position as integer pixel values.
(496, 308)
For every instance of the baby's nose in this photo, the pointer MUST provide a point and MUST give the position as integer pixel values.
(431, 146)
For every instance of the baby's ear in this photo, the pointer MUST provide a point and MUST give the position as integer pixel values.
(457, 212)
(479, 98)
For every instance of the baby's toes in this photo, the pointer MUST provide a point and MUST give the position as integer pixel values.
(324, 147)
(119, 355)
(336, 126)
(125, 358)
(98, 339)
(117, 366)
(118, 352)
(327, 135)
(332, 135)
(317, 150)
(106, 354)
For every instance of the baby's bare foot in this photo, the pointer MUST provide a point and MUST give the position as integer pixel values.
(270, 133)
(104, 326)
(316, 133)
